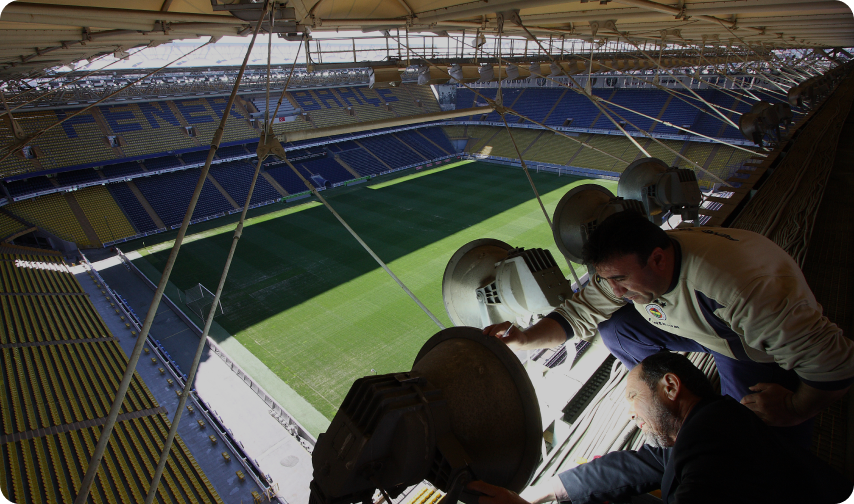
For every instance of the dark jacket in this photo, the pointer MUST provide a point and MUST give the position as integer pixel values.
(723, 454)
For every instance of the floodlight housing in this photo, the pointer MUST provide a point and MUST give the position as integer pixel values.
(432, 75)
(463, 73)
(383, 77)
(661, 189)
(487, 282)
(466, 411)
(579, 212)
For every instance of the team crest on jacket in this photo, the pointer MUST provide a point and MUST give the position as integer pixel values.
(656, 311)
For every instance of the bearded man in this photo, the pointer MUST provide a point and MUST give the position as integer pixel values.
(705, 449)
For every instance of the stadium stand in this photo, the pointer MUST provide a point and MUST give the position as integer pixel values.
(360, 160)
(9, 226)
(131, 207)
(52, 213)
(30, 185)
(154, 137)
(436, 136)
(74, 178)
(199, 156)
(162, 163)
(61, 369)
(286, 178)
(159, 130)
(391, 150)
(103, 214)
(171, 206)
(236, 176)
(327, 168)
(121, 170)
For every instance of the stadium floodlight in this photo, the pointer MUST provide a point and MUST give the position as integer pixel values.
(516, 73)
(487, 281)
(661, 189)
(383, 77)
(463, 73)
(764, 118)
(466, 411)
(579, 212)
(487, 73)
(432, 75)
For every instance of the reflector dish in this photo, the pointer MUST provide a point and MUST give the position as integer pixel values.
(469, 269)
(637, 176)
(578, 207)
(491, 403)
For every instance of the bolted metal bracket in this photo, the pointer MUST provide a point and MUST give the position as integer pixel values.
(270, 145)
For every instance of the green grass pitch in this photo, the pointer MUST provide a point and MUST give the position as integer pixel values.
(313, 306)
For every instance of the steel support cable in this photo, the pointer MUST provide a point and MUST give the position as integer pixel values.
(133, 359)
(522, 161)
(740, 40)
(364, 245)
(746, 62)
(713, 107)
(54, 90)
(191, 375)
(647, 134)
(269, 58)
(789, 67)
(666, 123)
(727, 77)
(730, 92)
(557, 132)
(44, 130)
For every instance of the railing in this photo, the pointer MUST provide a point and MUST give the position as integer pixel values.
(263, 481)
(604, 131)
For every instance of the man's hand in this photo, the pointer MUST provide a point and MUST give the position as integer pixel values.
(544, 334)
(538, 494)
(778, 406)
(772, 403)
(511, 335)
(495, 495)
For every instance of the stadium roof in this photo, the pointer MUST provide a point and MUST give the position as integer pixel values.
(40, 34)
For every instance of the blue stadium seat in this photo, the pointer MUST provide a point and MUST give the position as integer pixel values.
(169, 194)
(235, 177)
(121, 169)
(131, 207)
(75, 177)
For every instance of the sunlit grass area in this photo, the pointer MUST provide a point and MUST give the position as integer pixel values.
(315, 308)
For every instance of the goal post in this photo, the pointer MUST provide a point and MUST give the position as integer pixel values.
(200, 300)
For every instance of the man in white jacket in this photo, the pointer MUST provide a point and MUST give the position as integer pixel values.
(729, 292)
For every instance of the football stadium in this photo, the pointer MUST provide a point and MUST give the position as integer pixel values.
(249, 247)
